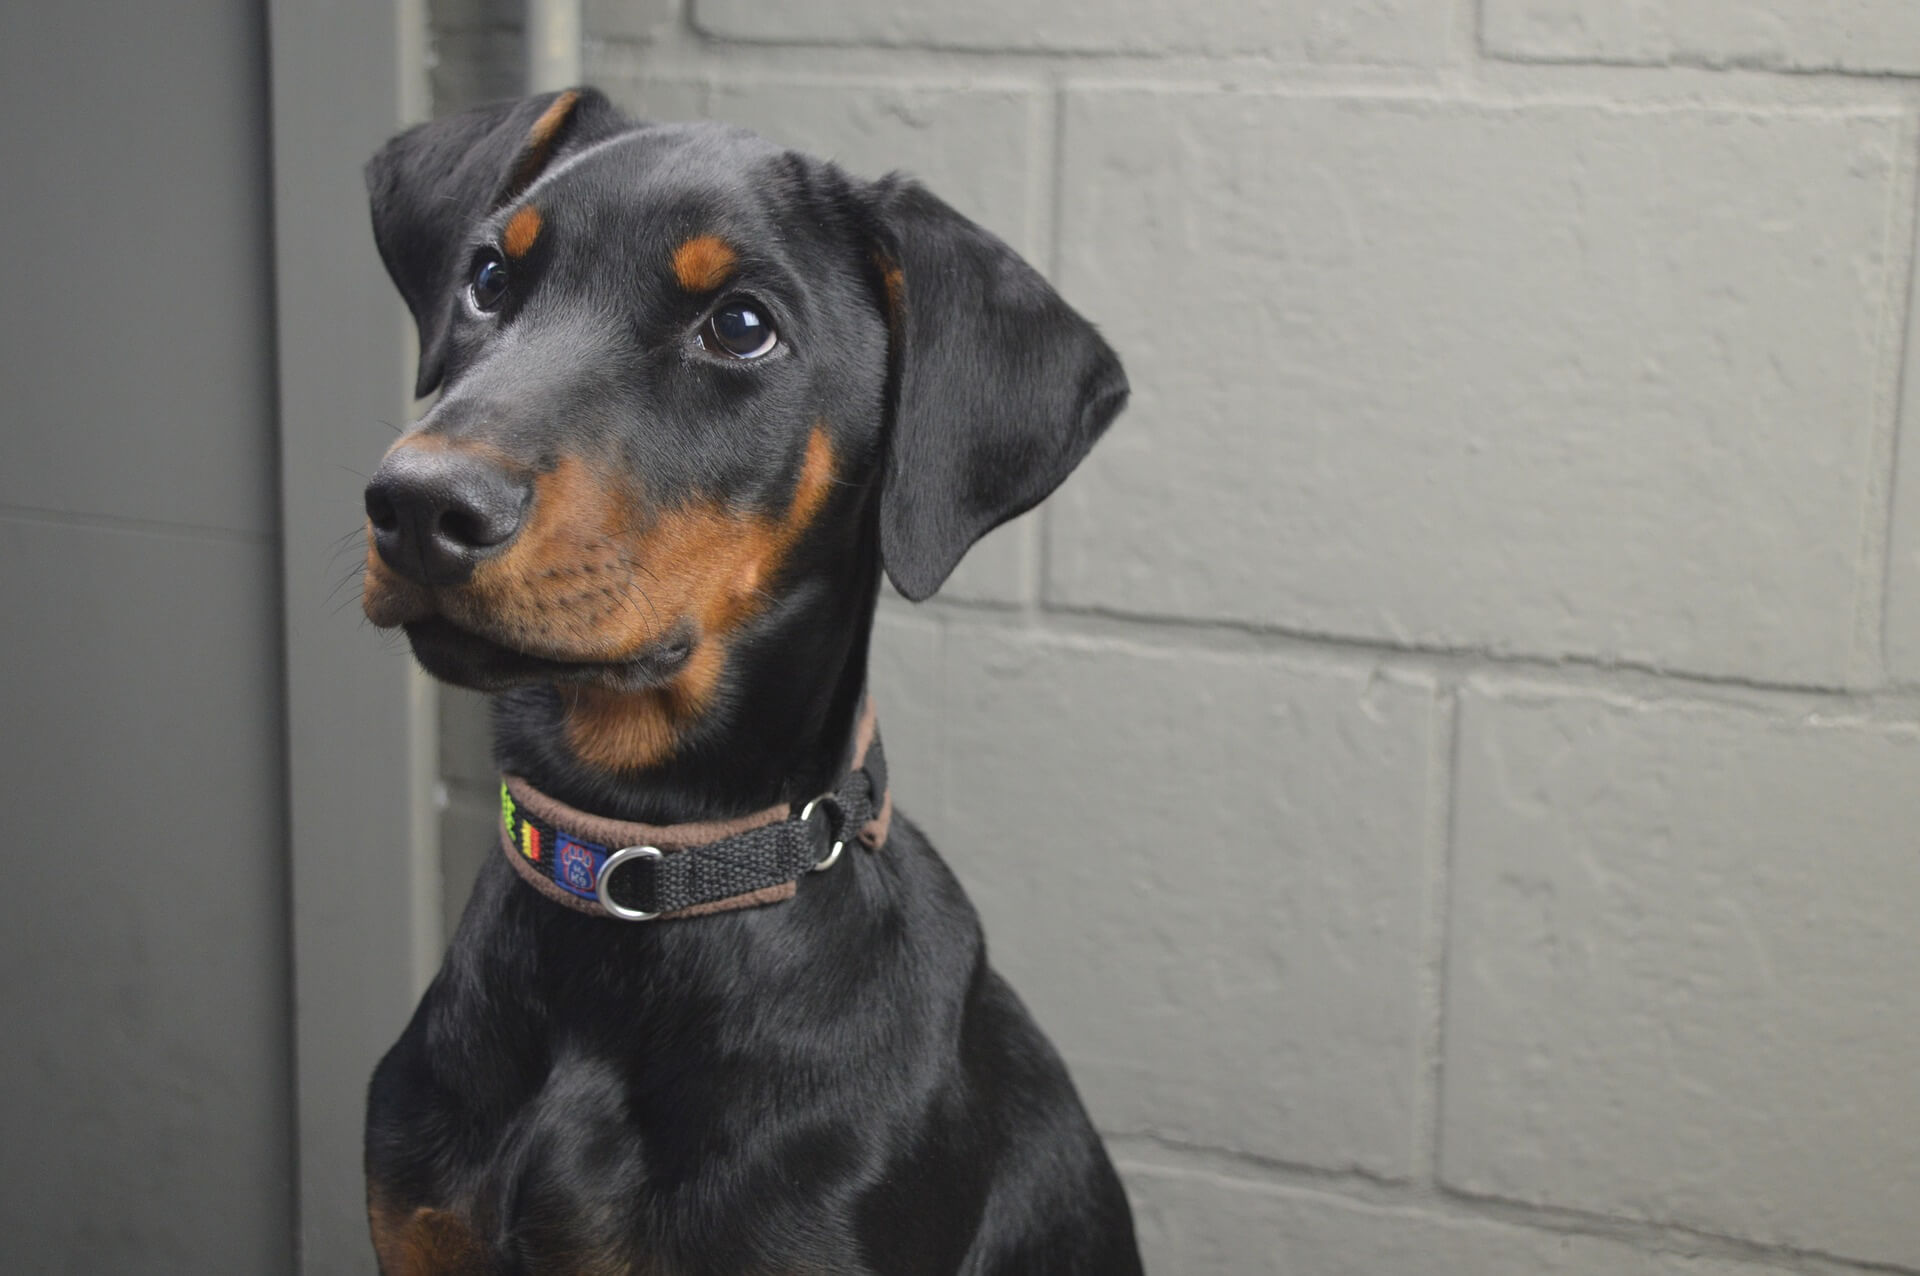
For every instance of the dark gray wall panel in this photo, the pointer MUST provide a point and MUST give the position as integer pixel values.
(134, 342)
(143, 925)
(145, 1029)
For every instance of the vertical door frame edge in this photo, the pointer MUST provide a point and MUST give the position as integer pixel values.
(364, 870)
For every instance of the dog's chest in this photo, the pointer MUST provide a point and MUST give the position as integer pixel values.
(571, 1181)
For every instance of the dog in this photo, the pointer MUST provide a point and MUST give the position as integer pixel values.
(714, 1008)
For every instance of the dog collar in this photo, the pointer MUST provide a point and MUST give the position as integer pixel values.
(639, 872)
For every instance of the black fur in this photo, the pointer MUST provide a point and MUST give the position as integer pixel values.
(838, 1083)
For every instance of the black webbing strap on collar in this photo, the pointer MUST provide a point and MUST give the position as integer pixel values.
(640, 881)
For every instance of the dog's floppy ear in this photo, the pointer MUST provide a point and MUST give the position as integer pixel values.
(431, 183)
(999, 388)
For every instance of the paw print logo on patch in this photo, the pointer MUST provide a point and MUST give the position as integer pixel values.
(576, 865)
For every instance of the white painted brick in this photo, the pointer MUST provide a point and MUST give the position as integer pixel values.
(972, 146)
(626, 20)
(905, 675)
(648, 96)
(1335, 31)
(1553, 379)
(997, 569)
(1204, 874)
(1682, 970)
(630, 20)
(1797, 35)
(1196, 1223)
(1325, 31)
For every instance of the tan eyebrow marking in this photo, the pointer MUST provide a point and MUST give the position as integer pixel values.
(703, 263)
(522, 229)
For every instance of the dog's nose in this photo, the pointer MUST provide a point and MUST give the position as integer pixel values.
(437, 514)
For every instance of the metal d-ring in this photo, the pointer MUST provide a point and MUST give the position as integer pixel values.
(832, 855)
(614, 861)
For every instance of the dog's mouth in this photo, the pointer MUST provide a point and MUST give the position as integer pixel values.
(467, 638)
(467, 659)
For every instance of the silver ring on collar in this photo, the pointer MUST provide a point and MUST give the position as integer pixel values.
(833, 856)
(614, 860)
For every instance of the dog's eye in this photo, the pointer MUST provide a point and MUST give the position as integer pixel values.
(489, 286)
(741, 330)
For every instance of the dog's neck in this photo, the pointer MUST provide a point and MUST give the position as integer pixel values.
(778, 728)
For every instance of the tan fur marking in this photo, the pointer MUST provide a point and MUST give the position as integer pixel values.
(540, 139)
(541, 135)
(522, 229)
(427, 1242)
(896, 285)
(703, 263)
(622, 730)
(631, 730)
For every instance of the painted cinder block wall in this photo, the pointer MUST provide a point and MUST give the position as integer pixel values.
(1447, 769)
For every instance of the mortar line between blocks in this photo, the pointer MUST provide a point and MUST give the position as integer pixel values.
(1443, 804)
(1895, 417)
(1767, 89)
(1087, 621)
(1149, 1151)
(1475, 16)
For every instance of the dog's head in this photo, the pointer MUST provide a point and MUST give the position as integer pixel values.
(685, 375)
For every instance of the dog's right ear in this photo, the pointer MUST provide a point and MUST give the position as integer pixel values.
(431, 183)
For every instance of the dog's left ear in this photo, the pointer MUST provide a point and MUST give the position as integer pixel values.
(999, 388)
(430, 184)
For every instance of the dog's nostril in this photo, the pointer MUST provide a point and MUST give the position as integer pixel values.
(480, 517)
(380, 511)
(464, 527)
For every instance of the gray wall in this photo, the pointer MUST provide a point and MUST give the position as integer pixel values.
(1463, 727)
(145, 1051)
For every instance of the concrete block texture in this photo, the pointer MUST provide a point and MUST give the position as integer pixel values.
(1681, 978)
(1337, 31)
(1874, 36)
(908, 684)
(1204, 873)
(1558, 380)
(1199, 1223)
(631, 20)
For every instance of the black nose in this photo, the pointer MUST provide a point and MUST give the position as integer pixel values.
(437, 513)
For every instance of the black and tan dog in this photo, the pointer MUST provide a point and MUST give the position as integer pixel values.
(697, 392)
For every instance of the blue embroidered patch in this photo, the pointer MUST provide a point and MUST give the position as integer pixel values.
(576, 864)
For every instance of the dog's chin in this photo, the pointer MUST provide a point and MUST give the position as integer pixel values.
(466, 659)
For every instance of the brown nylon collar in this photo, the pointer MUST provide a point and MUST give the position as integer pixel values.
(670, 838)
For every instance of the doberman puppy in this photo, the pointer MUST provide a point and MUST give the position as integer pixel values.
(696, 392)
